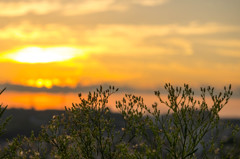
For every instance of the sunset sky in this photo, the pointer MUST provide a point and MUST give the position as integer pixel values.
(138, 44)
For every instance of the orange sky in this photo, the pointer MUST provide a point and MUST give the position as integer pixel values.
(138, 44)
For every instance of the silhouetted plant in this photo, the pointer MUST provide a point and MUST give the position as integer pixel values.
(3, 122)
(179, 133)
(87, 129)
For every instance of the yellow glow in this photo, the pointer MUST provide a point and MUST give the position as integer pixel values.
(41, 83)
(48, 83)
(44, 55)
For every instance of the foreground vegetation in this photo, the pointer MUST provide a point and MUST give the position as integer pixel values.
(190, 129)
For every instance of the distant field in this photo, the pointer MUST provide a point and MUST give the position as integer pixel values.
(25, 120)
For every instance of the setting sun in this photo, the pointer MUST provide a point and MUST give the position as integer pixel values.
(44, 55)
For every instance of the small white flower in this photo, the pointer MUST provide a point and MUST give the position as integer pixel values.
(37, 153)
(21, 153)
(216, 151)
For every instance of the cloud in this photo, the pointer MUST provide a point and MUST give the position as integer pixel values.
(194, 28)
(229, 52)
(172, 39)
(90, 6)
(13, 8)
(149, 2)
(71, 7)
(225, 47)
(224, 43)
(54, 89)
(154, 39)
(30, 31)
(25, 32)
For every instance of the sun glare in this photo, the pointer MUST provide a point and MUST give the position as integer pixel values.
(41, 83)
(44, 55)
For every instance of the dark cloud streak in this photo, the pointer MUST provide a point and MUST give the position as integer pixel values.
(86, 89)
(175, 11)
